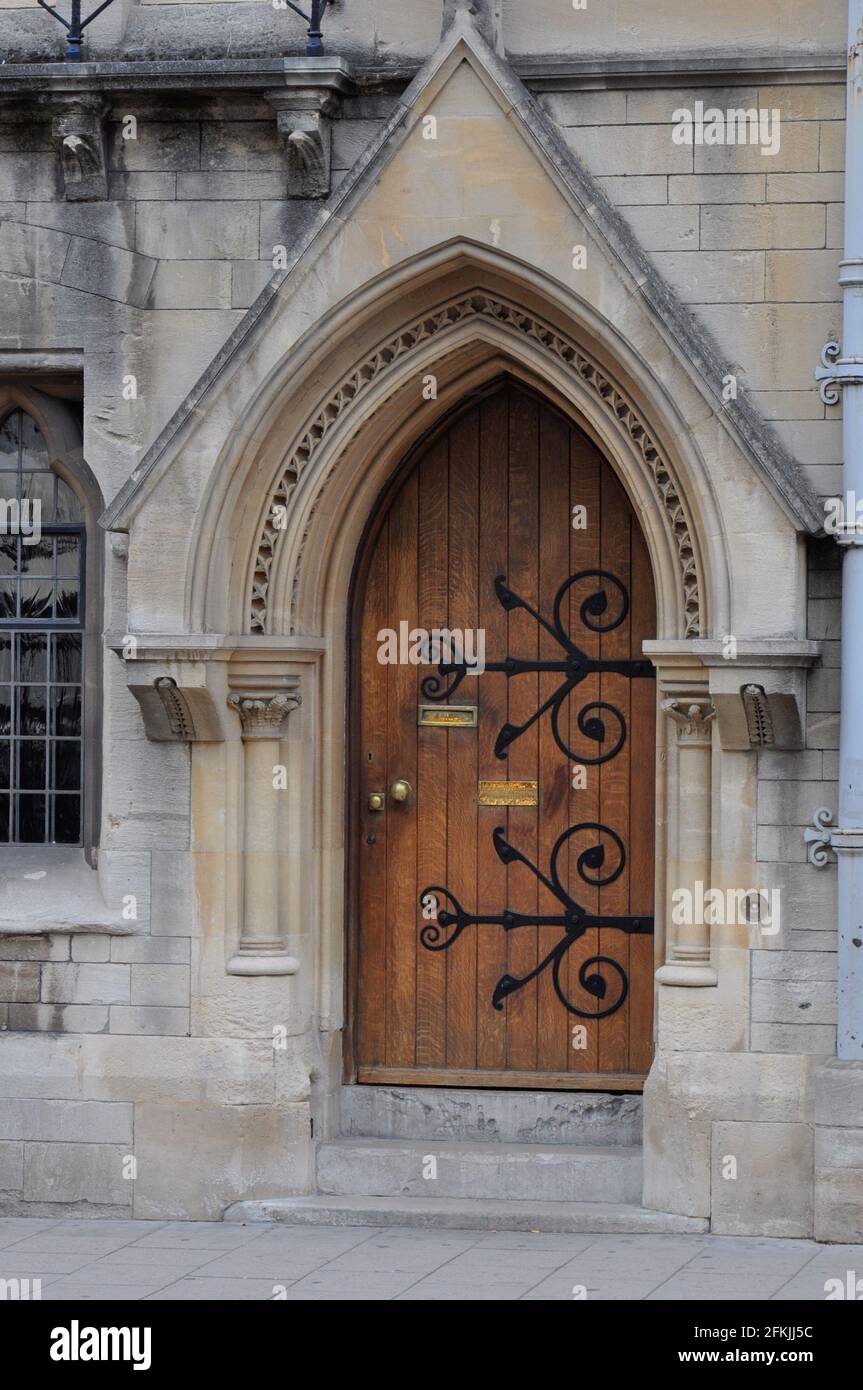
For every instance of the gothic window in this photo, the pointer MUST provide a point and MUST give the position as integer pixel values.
(42, 545)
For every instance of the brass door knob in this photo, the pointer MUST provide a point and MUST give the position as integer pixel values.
(400, 790)
(377, 801)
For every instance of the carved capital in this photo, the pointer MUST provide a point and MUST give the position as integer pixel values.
(263, 716)
(78, 128)
(692, 717)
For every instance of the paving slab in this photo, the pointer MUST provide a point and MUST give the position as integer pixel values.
(96, 1261)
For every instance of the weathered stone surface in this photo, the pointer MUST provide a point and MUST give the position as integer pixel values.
(85, 984)
(199, 231)
(513, 1172)
(249, 278)
(91, 1173)
(156, 1021)
(11, 1166)
(730, 225)
(632, 190)
(711, 277)
(665, 229)
(515, 1117)
(66, 1121)
(160, 984)
(586, 108)
(771, 1193)
(717, 188)
(34, 947)
(96, 949)
(241, 1151)
(161, 146)
(58, 1018)
(220, 1071)
(98, 268)
(34, 252)
(40, 1066)
(113, 222)
(191, 285)
(19, 982)
(151, 950)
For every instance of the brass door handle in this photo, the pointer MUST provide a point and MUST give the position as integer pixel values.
(377, 801)
(400, 790)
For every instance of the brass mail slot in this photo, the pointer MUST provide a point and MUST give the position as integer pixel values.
(447, 716)
(508, 793)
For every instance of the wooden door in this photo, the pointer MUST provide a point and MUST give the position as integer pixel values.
(507, 523)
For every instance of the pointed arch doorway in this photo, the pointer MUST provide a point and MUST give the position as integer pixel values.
(502, 820)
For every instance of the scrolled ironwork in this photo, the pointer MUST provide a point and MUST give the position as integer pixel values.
(609, 597)
(574, 919)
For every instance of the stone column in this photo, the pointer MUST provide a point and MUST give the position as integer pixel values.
(262, 949)
(687, 958)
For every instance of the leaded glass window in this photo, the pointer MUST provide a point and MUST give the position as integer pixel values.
(42, 538)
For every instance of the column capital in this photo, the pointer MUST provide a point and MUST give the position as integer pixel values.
(692, 716)
(262, 716)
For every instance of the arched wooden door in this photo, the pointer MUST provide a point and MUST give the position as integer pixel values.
(501, 944)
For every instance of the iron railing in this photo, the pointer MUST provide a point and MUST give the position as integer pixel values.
(75, 25)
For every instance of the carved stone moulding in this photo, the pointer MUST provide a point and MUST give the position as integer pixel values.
(479, 305)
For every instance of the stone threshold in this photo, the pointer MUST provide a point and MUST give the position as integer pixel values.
(468, 1214)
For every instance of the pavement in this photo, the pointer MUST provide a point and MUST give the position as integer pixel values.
(191, 1260)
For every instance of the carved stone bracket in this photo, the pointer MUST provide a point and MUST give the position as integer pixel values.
(819, 838)
(305, 109)
(78, 128)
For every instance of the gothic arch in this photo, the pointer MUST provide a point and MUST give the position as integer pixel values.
(295, 484)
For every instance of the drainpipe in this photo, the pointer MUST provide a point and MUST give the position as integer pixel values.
(845, 372)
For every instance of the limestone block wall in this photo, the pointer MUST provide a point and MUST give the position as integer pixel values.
(794, 975)
(752, 242)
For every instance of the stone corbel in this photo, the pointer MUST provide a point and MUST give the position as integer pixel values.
(78, 128)
(758, 690)
(181, 694)
(305, 109)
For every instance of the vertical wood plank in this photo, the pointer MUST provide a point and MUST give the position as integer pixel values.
(615, 774)
(522, 821)
(584, 804)
(554, 777)
(431, 784)
(461, 746)
(642, 804)
(371, 993)
(491, 693)
(402, 762)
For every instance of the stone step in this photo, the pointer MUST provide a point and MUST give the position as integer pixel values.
(508, 1117)
(584, 1218)
(505, 1172)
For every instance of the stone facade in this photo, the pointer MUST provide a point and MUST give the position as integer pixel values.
(236, 344)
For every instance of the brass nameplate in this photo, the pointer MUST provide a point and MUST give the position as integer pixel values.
(447, 716)
(508, 793)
